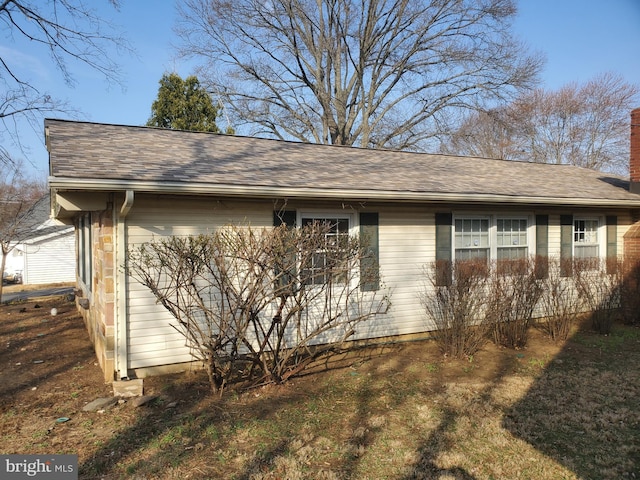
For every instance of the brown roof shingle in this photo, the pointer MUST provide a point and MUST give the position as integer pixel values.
(82, 150)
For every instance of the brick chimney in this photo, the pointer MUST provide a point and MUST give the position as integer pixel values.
(634, 157)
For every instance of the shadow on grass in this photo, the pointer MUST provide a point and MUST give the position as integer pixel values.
(580, 412)
(167, 436)
(426, 466)
(583, 411)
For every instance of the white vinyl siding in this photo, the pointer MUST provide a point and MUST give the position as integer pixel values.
(406, 245)
(152, 340)
(554, 236)
(51, 260)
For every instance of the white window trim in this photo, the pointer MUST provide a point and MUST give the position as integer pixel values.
(493, 230)
(601, 232)
(85, 252)
(354, 226)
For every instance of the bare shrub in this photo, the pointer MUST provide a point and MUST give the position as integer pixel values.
(560, 304)
(599, 285)
(274, 299)
(630, 292)
(458, 309)
(514, 292)
(209, 290)
(319, 298)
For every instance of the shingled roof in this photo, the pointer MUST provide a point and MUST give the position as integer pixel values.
(92, 156)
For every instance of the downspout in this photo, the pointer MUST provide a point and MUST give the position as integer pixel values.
(122, 336)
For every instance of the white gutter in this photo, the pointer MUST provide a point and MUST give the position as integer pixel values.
(250, 191)
(121, 341)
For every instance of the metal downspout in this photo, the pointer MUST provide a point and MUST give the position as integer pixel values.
(122, 332)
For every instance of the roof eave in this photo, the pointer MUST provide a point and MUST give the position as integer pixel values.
(262, 191)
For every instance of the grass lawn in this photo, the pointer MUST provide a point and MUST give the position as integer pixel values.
(552, 411)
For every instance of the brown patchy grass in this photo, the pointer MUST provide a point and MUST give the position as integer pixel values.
(551, 411)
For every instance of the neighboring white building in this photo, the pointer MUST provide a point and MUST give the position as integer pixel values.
(49, 257)
(47, 254)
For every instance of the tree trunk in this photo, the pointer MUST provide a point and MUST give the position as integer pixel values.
(4, 262)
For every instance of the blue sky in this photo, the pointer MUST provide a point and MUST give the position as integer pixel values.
(580, 38)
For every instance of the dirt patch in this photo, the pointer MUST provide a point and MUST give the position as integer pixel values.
(49, 371)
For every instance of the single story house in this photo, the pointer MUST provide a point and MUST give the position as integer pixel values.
(47, 252)
(125, 185)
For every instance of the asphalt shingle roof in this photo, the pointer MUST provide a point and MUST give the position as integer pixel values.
(81, 150)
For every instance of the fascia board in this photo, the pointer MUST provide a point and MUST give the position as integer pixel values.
(257, 191)
(64, 231)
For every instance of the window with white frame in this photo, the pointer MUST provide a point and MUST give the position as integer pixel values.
(585, 238)
(324, 261)
(491, 238)
(472, 238)
(512, 238)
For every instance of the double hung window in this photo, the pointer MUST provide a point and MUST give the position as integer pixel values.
(472, 238)
(512, 242)
(585, 238)
(325, 260)
(491, 238)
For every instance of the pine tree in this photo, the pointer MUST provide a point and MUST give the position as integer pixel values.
(183, 105)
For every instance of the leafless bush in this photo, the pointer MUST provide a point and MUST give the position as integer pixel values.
(599, 284)
(630, 293)
(560, 304)
(458, 310)
(514, 293)
(274, 299)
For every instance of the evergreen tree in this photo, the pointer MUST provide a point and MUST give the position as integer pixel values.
(183, 105)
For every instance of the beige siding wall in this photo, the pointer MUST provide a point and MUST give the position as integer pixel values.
(624, 223)
(152, 339)
(406, 245)
(554, 236)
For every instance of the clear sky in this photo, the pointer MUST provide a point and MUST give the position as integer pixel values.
(580, 39)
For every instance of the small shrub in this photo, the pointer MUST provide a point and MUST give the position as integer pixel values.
(560, 304)
(630, 293)
(268, 300)
(598, 285)
(514, 293)
(458, 309)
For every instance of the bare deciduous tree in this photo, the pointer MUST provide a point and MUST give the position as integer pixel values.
(390, 74)
(585, 125)
(273, 299)
(70, 31)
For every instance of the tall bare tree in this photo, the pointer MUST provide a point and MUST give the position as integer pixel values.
(71, 32)
(373, 73)
(579, 124)
(17, 196)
